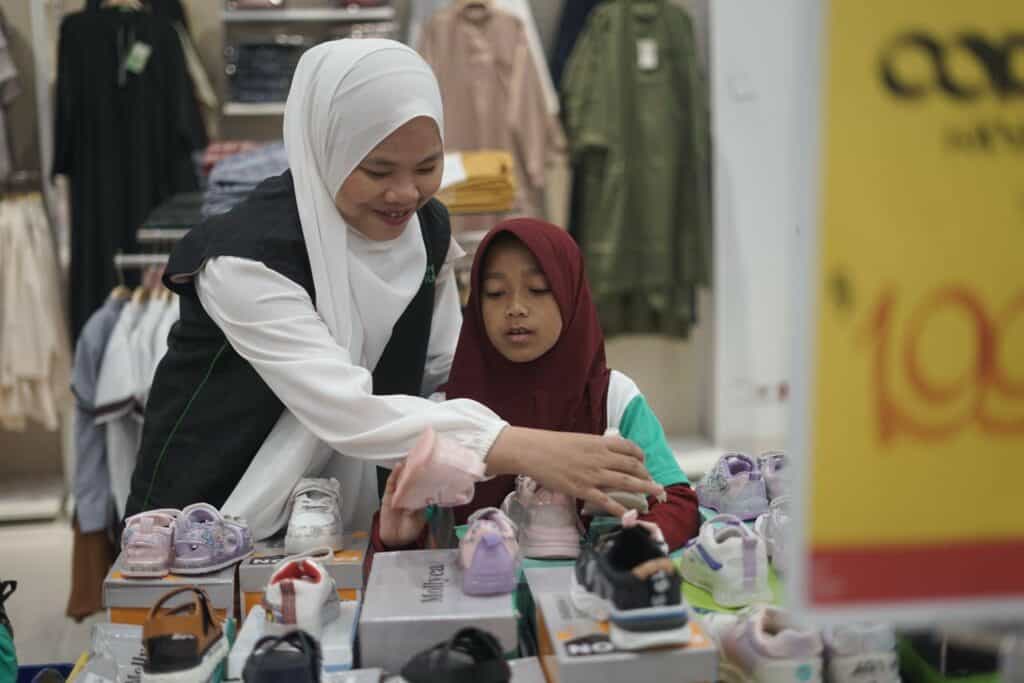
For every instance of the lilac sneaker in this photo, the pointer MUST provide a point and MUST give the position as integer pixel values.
(489, 554)
(775, 466)
(734, 486)
(767, 647)
(205, 541)
(147, 544)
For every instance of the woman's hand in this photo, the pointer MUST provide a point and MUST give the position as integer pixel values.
(583, 466)
(398, 527)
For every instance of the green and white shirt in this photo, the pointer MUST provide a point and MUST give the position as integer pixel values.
(631, 415)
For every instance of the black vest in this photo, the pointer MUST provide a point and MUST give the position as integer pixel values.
(208, 410)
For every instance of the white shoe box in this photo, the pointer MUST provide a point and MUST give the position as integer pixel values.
(576, 649)
(346, 568)
(337, 645)
(129, 600)
(414, 600)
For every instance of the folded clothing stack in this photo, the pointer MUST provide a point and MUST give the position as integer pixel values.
(234, 177)
(482, 181)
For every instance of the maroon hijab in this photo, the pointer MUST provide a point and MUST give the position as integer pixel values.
(566, 389)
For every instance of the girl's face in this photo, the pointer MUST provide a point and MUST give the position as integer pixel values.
(521, 315)
(398, 177)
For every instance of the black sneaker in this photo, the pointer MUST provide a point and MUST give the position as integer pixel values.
(470, 655)
(292, 658)
(628, 579)
(6, 589)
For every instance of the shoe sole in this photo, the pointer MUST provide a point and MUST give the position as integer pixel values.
(140, 571)
(194, 571)
(594, 606)
(296, 546)
(217, 654)
(774, 672)
(559, 544)
(665, 626)
(631, 640)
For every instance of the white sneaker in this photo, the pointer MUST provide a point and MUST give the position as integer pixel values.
(316, 517)
(300, 595)
(767, 647)
(774, 527)
(728, 560)
(861, 653)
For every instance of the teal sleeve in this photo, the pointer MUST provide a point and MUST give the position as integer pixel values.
(640, 425)
(8, 660)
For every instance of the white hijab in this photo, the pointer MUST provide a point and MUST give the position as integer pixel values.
(346, 97)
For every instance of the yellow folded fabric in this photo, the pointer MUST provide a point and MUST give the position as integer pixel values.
(489, 187)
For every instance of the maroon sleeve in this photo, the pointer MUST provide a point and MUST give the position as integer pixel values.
(378, 546)
(678, 517)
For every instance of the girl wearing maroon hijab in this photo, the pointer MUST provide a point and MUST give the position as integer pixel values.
(531, 349)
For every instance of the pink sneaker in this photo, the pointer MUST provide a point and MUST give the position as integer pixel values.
(437, 472)
(550, 526)
(489, 554)
(147, 544)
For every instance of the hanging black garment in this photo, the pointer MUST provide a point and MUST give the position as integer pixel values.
(122, 136)
(209, 411)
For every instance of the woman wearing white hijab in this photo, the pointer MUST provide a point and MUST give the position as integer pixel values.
(300, 305)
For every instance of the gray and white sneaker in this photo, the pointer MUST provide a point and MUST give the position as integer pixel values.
(315, 517)
(735, 486)
(861, 653)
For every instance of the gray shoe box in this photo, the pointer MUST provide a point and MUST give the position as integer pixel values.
(549, 580)
(414, 600)
(346, 568)
(128, 601)
(575, 649)
(337, 646)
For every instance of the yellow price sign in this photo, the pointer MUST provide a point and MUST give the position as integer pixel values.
(915, 366)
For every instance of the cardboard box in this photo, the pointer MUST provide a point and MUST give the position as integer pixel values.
(414, 600)
(128, 601)
(337, 645)
(576, 649)
(346, 568)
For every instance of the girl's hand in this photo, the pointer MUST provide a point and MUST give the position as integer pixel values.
(398, 527)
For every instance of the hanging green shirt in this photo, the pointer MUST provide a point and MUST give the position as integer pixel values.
(635, 112)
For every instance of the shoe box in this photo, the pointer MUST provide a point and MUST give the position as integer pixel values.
(116, 653)
(128, 601)
(337, 644)
(574, 648)
(346, 568)
(527, 670)
(414, 600)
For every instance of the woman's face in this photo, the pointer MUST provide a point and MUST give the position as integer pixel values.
(521, 315)
(398, 177)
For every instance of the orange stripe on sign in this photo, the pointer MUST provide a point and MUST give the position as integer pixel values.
(908, 573)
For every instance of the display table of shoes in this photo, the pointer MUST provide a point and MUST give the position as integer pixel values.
(128, 600)
(345, 567)
(415, 599)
